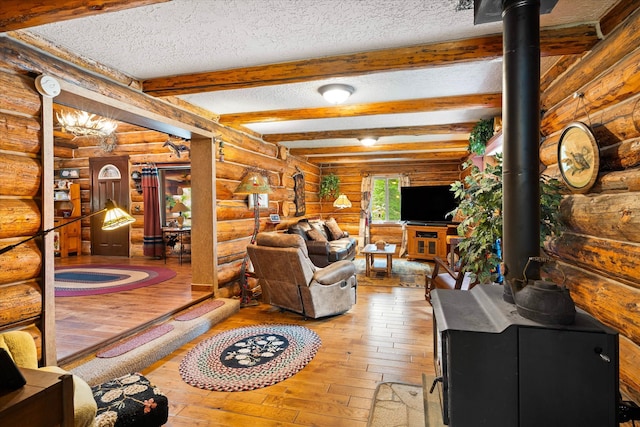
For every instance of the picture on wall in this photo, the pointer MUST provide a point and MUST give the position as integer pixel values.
(299, 200)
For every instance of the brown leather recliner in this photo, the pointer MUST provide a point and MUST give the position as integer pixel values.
(290, 280)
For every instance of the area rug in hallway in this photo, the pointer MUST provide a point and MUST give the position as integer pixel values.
(398, 404)
(404, 273)
(250, 357)
(81, 280)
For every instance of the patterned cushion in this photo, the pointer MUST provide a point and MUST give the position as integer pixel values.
(130, 401)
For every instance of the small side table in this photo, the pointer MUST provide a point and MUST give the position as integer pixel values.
(179, 232)
(370, 251)
(45, 401)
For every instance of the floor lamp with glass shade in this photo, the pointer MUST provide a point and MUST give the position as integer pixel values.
(114, 218)
(252, 184)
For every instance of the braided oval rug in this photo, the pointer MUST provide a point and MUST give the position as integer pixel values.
(250, 357)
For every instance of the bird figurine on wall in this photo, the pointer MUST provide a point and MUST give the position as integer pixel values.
(177, 148)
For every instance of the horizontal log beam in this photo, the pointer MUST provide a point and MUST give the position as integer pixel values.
(614, 259)
(624, 39)
(612, 216)
(391, 157)
(489, 100)
(613, 86)
(553, 42)
(20, 302)
(19, 264)
(18, 133)
(409, 146)
(445, 129)
(17, 14)
(626, 180)
(19, 176)
(605, 299)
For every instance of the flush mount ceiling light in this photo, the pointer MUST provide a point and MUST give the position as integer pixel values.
(336, 93)
(368, 142)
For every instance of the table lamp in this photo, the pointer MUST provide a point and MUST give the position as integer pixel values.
(179, 207)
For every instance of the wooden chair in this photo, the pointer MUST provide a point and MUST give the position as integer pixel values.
(447, 279)
(452, 276)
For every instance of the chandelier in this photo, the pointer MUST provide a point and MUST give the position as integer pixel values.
(81, 123)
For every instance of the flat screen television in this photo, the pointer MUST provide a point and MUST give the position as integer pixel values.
(427, 204)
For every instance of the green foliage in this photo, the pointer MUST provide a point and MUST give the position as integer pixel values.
(385, 199)
(329, 187)
(480, 134)
(480, 205)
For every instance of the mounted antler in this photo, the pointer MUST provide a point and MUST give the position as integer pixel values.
(177, 149)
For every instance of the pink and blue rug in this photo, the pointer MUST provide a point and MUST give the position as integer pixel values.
(82, 280)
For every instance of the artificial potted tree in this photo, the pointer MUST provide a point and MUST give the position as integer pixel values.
(480, 197)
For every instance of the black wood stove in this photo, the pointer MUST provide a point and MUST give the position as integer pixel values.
(496, 368)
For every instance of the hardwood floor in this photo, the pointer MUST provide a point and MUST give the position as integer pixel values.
(86, 323)
(386, 336)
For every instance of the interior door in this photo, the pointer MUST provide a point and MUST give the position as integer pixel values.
(109, 180)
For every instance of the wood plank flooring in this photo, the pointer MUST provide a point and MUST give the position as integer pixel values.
(386, 336)
(86, 323)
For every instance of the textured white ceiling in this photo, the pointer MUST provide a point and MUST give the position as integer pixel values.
(187, 36)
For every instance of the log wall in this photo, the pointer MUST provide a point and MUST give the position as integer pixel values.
(599, 251)
(351, 174)
(235, 219)
(22, 303)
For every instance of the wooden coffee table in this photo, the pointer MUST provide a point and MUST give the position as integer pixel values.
(385, 265)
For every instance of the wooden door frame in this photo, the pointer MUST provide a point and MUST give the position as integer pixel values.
(204, 259)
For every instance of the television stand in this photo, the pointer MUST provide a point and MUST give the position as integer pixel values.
(428, 241)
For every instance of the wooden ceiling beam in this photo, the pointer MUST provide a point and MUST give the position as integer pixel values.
(553, 42)
(408, 146)
(489, 100)
(391, 157)
(444, 129)
(18, 14)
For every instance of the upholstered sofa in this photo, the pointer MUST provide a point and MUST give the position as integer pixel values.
(326, 242)
(290, 280)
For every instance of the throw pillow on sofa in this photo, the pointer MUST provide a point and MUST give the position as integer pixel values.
(334, 229)
(316, 236)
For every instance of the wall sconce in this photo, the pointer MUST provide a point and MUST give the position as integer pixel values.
(136, 176)
(221, 150)
(336, 93)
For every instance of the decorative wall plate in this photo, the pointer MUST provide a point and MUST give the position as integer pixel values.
(578, 157)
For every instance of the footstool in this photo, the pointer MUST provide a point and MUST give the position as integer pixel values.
(130, 400)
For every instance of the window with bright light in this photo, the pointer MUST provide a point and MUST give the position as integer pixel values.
(385, 199)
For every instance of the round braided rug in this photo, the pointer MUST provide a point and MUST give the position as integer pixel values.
(250, 357)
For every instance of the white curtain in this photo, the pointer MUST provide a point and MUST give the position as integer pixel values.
(404, 182)
(365, 210)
